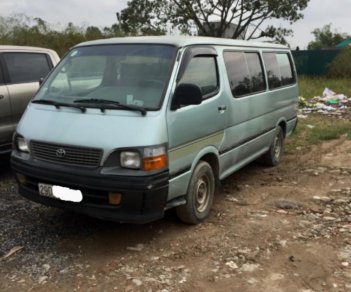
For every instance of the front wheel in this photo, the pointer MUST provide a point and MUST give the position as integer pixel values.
(275, 152)
(200, 195)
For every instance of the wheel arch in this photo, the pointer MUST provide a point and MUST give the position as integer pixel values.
(198, 202)
(209, 155)
(283, 124)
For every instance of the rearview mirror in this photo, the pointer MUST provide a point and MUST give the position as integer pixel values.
(186, 94)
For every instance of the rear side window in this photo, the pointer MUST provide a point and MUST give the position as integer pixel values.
(279, 69)
(1, 76)
(245, 73)
(202, 71)
(26, 67)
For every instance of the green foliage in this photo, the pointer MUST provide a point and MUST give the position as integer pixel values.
(154, 16)
(139, 18)
(24, 31)
(315, 129)
(313, 86)
(340, 67)
(326, 38)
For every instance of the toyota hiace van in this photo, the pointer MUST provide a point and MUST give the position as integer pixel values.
(126, 128)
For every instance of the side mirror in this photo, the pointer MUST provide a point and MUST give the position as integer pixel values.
(186, 94)
(41, 80)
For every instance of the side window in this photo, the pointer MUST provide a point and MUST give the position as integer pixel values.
(279, 69)
(273, 71)
(245, 73)
(1, 76)
(258, 82)
(202, 71)
(26, 67)
(286, 71)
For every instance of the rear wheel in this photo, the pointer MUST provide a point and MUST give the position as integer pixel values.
(273, 156)
(200, 195)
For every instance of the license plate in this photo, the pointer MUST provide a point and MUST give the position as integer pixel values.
(45, 190)
(61, 193)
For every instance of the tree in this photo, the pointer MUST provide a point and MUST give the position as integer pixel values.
(247, 16)
(93, 33)
(142, 17)
(24, 31)
(340, 67)
(113, 31)
(326, 38)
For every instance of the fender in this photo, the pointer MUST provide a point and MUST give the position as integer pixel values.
(178, 185)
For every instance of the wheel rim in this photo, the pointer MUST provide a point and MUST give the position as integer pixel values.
(202, 194)
(277, 147)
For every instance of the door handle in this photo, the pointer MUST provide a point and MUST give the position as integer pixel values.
(222, 108)
(1, 96)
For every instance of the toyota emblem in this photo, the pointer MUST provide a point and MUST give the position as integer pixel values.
(60, 153)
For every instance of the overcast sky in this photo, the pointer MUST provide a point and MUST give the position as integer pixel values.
(103, 13)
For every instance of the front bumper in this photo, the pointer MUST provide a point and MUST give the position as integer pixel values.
(143, 197)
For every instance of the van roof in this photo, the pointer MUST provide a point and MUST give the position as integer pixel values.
(182, 41)
(23, 48)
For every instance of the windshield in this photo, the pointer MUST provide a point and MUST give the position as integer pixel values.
(134, 75)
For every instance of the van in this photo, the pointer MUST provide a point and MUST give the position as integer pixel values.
(21, 68)
(126, 128)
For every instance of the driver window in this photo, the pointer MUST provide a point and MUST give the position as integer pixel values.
(202, 71)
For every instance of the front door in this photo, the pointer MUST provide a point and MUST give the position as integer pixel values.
(195, 127)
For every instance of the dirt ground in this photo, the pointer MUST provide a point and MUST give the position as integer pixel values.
(286, 228)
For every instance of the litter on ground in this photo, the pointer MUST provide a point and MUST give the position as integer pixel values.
(329, 103)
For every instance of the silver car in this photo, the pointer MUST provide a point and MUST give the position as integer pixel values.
(21, 68)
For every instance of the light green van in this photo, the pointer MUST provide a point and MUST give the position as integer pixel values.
(124, 129)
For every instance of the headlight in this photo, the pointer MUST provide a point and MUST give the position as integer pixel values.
(130, 159)
(22, 144)
(147, 159)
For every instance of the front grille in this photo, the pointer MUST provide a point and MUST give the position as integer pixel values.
(73, 155)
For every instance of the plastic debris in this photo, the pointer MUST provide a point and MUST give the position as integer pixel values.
(329, 103)
(328, 92)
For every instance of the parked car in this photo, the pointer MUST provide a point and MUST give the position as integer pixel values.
(124, 129)
(21, 68)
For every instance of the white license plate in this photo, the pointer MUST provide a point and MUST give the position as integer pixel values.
(45, 190)
(61, 193)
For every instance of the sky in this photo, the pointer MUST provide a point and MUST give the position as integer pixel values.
(103, 13)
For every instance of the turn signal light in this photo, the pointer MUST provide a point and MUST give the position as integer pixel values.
(114, 198)
(154, 163)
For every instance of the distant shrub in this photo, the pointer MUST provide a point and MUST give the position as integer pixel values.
(340, 67)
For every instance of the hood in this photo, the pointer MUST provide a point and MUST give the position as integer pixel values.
(109, 130)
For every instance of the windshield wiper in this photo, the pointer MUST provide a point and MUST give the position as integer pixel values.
(107, 104)
(58, 104)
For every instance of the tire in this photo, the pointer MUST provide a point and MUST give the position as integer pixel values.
(200, 195)
(275, 152)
